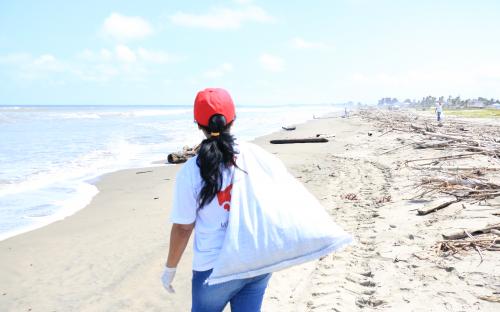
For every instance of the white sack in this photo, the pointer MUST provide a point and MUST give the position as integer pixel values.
(274, 222)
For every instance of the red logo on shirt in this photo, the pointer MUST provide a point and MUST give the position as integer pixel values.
(224, 197)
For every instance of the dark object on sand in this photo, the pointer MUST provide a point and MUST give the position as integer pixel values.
(463, 233)
(289, 128)
(370, 134)
(307, 140)
(436, 205)
(180, 157)
(324, 135)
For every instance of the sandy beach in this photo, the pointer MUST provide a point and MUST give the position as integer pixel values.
(109, 255)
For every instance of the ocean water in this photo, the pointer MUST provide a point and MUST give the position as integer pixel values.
(50, 156)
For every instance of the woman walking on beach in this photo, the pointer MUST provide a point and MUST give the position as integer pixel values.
(202, 201)
(250, 216)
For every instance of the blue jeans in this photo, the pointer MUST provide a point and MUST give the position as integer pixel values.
(244, 295)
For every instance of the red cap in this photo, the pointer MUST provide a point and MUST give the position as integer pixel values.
(213, 101)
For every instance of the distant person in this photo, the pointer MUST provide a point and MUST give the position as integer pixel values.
(439, 110)
(346, 111)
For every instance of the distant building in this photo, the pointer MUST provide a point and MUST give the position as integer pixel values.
(477, 104)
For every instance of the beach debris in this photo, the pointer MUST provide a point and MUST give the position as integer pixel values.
(305, 140)
(391, 150)
(325, 135)
(436, 205)
(450, 247)
(349, 196)
(496, 232)
(463, 233)
(326, 117)
(141, 172)
(180, 157)
(455, 134)
(289, 128)
(462, 186)
(383, 199)
(441, 158)
(440, 144)
(493, 298)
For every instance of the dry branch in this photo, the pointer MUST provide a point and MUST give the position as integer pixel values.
(437, 205)
(463, 233)
(443, 157)
(306, 140)
(422, 145)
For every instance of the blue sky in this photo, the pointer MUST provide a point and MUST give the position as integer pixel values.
(263, 52)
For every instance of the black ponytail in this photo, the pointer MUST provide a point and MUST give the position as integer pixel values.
(216, 153)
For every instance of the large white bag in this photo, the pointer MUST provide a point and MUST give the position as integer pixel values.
(274, 222)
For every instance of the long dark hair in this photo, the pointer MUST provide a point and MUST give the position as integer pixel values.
(216, 153)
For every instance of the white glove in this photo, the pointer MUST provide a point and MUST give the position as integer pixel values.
(167, 277)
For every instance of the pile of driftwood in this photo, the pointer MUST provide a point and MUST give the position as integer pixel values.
(456, 134)
(182, 156)
(467, 169)
(459, 140)
(487, 238)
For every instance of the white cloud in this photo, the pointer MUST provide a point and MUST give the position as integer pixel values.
(158, 57)
(222, 18)
(271, 62)
(45, 59)
(14, 58)
(125, 54)
(97, 72)
(300, 43)
(243, 1)
(121, 62)
(27, 67)
(124, 28)
(105, 54)
(219, 71)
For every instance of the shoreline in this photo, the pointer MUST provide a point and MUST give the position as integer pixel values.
(59, 192)
(104, 256)
(62, 213)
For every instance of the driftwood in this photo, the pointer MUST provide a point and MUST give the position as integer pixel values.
(463, 233)
(443, 157)
(475, 169)
(492, 298)
(288, 128)
(324, 135)
(422, 145)
(314, 117)
(465, 181)
(306, 140)
(436, 205)
(180, 157)
(452, 138)
(399, 147)
(461, 139)
(496, 232)
(450, 247)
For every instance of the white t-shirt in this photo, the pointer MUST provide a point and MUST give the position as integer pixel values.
(211, 220)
